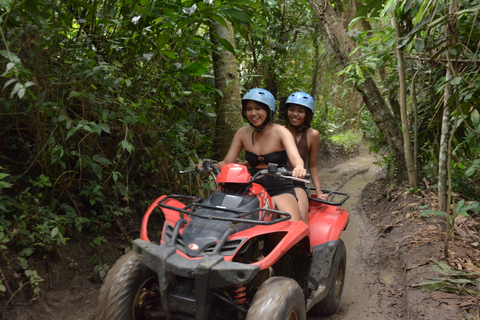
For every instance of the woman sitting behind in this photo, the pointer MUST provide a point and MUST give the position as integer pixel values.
(299, 110)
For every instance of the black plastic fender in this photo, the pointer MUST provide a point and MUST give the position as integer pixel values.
(321, 270)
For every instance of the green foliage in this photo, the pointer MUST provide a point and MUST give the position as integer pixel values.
(385, 160)
(462, 208)
(423, 27)
(3, 289)
(101, 268)
(104, 102)
(349, 141)
(455, 281)
(34, 280)
(376, 47)
(16, 72)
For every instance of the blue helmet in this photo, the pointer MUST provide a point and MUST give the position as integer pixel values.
(301, 98)
(260, 95)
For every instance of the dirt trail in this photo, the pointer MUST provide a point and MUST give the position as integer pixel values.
(392, 248)
(362, 294)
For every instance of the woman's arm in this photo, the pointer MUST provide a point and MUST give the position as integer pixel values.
(233, 152)
(235, 148)
(292, 152)
(314, 142)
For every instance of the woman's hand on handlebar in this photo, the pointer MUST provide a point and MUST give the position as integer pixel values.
(208, 164)
(299, 172)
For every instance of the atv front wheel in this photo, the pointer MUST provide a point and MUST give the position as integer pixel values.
(329, 305)
(278, 298)
(129, 291)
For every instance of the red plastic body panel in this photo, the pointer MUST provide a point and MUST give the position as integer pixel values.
(296, 230)
(234, 173)
(170, 215)
(262, 194)
(326, 222)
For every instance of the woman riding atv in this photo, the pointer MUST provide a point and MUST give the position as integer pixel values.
(265, 142)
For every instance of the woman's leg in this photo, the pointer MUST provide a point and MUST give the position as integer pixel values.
(287, 202)
(303, 203)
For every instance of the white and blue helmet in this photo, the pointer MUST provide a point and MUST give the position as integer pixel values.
(301, 98)
(260, 95)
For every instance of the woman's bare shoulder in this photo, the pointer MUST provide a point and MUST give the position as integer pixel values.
(281, 129)
(313, 134)
(244, 131)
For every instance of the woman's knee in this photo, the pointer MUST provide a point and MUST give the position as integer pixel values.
(302, 197)
(288, 203)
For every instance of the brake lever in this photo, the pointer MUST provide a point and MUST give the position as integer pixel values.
(260, 174)
(296, 179)
(187, 171)
(288, 175)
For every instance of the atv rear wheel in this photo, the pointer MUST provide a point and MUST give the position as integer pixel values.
(278, 298)
(128, 290)
(329, 305)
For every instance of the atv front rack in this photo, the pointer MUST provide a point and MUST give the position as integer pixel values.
(240, 215)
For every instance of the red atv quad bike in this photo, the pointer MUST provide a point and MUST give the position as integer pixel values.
(231, 256)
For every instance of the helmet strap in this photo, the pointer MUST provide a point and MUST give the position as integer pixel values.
(304, 127)
(299, 129)
(258, 130)
(265, 123)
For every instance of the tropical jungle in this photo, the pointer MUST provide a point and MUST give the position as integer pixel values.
(103, 103)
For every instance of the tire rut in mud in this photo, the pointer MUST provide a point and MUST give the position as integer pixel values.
(368, 284)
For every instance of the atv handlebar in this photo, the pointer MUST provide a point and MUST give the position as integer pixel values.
(273, 170)
(279, 173)
(207, 166)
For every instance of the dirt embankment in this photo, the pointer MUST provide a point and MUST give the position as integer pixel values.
(409, 246)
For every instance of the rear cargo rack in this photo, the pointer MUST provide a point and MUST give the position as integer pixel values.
(331, 195)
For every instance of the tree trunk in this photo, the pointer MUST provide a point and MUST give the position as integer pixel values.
(229, 107)
(382, 72)
(316, 70)
(415, 121)
(443, 164)
(343, 46)
(443, 153)
(444, 158)
(412, 173)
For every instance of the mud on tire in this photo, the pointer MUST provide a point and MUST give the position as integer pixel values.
(126, 288)
(278, 298)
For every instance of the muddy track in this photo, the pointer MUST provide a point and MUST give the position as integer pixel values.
(365, 294)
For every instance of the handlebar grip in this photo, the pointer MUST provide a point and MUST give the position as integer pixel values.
(289, 173)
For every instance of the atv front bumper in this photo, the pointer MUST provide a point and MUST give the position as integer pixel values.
(188, 285)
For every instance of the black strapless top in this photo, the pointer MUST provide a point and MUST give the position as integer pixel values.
(278, 157)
